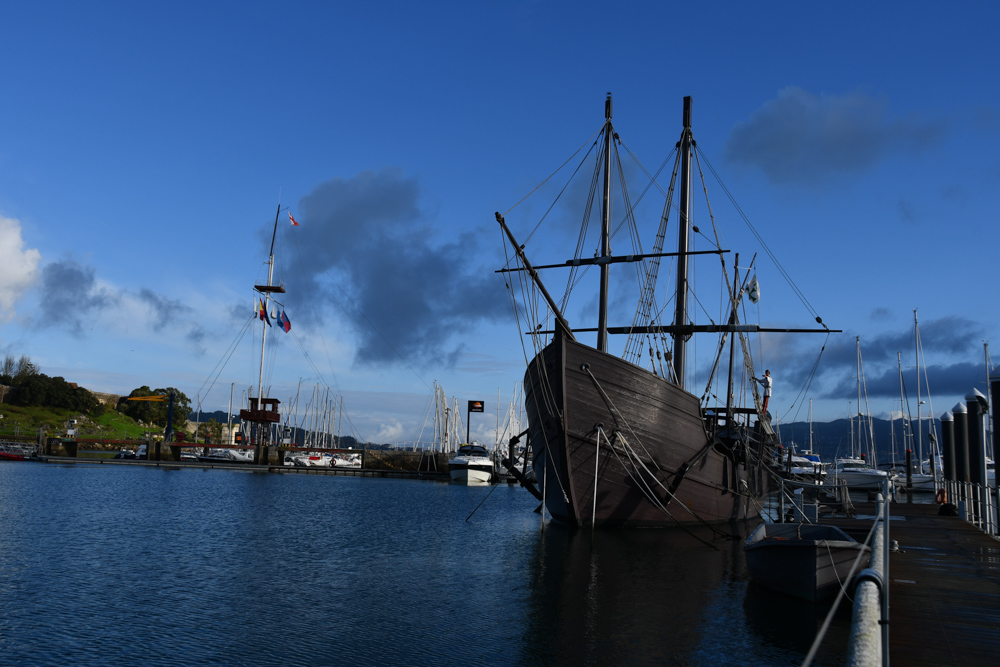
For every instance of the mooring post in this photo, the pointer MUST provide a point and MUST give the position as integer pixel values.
(961, 439)
(978, 407)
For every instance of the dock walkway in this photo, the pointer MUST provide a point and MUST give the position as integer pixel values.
(944, 586)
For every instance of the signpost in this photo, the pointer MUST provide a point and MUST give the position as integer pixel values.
(474, 406)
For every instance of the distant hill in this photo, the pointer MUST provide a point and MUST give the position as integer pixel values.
(219, 416)
(832, 439)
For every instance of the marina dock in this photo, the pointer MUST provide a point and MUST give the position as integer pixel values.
(250, 467)
(944, 586)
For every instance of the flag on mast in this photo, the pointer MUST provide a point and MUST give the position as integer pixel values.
(263, 313)
(294, 224)
(753, 290)
(284, 322)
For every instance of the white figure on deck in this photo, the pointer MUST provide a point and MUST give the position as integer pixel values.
(766, 383)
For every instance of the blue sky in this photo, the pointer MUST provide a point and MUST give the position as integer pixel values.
(146, 146)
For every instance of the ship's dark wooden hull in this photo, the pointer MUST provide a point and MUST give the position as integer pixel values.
(662, 426)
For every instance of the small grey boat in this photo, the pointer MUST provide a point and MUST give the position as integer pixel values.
(804, 560)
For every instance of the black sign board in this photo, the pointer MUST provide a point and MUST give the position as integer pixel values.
(476, 406)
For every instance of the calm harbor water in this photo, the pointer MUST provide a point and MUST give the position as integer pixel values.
(123, 565)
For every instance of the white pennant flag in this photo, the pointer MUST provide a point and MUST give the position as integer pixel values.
(753, 290)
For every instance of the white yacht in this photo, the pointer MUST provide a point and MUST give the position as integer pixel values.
(471, 465)
(858, 474)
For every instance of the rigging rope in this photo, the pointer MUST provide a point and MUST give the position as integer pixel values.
(781, 269)
(221, 364)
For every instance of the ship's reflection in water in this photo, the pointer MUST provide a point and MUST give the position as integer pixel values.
(662, 597)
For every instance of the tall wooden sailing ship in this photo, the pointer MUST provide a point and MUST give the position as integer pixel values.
(617, 443)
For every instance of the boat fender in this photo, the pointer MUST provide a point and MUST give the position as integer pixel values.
(941, 497)
(869, 574)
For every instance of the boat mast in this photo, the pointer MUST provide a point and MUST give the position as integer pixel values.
(810, 426)
(989, 400)
(732, 340)
(267, 306)
(602, 317)
(920, 437)
(684, 221)
(861, 445)
(903, 410)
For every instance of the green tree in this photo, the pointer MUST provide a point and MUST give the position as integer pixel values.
(155, 412)
(211, 430)
(40, 389)
(14, 372)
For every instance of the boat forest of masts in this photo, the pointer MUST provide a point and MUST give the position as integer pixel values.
(321, 422)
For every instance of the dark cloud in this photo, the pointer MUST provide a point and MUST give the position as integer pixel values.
(945, 380)
(881, 314)
(196, 336)
(70, 296)
(367, 253)
(948, 337)
(802, 137)
(165, 311)
(947, 344)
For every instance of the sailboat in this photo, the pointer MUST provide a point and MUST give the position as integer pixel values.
(859, 471)
(921, 480)
(616, 443)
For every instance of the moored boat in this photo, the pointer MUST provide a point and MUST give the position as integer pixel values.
(471, 465)
(222, 455)
(11, 453)
(807, 561)
(858, 474)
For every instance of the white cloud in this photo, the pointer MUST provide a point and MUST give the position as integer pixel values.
(18, 266)
(389, 432)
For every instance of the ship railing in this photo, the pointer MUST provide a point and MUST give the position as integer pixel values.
(18, 448)
(974, 503)
(793, 492)
(869, 641)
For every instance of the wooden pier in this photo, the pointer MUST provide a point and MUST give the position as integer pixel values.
(944, 586)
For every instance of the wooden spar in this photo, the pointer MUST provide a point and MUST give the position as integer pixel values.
(701, 328)
(586, 261)
(684, 224)
(534, 277)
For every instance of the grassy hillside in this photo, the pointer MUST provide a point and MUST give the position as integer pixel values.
(112, 425)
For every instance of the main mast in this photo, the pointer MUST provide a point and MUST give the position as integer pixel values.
(684, 223)
(602, 318)
(266, 290)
